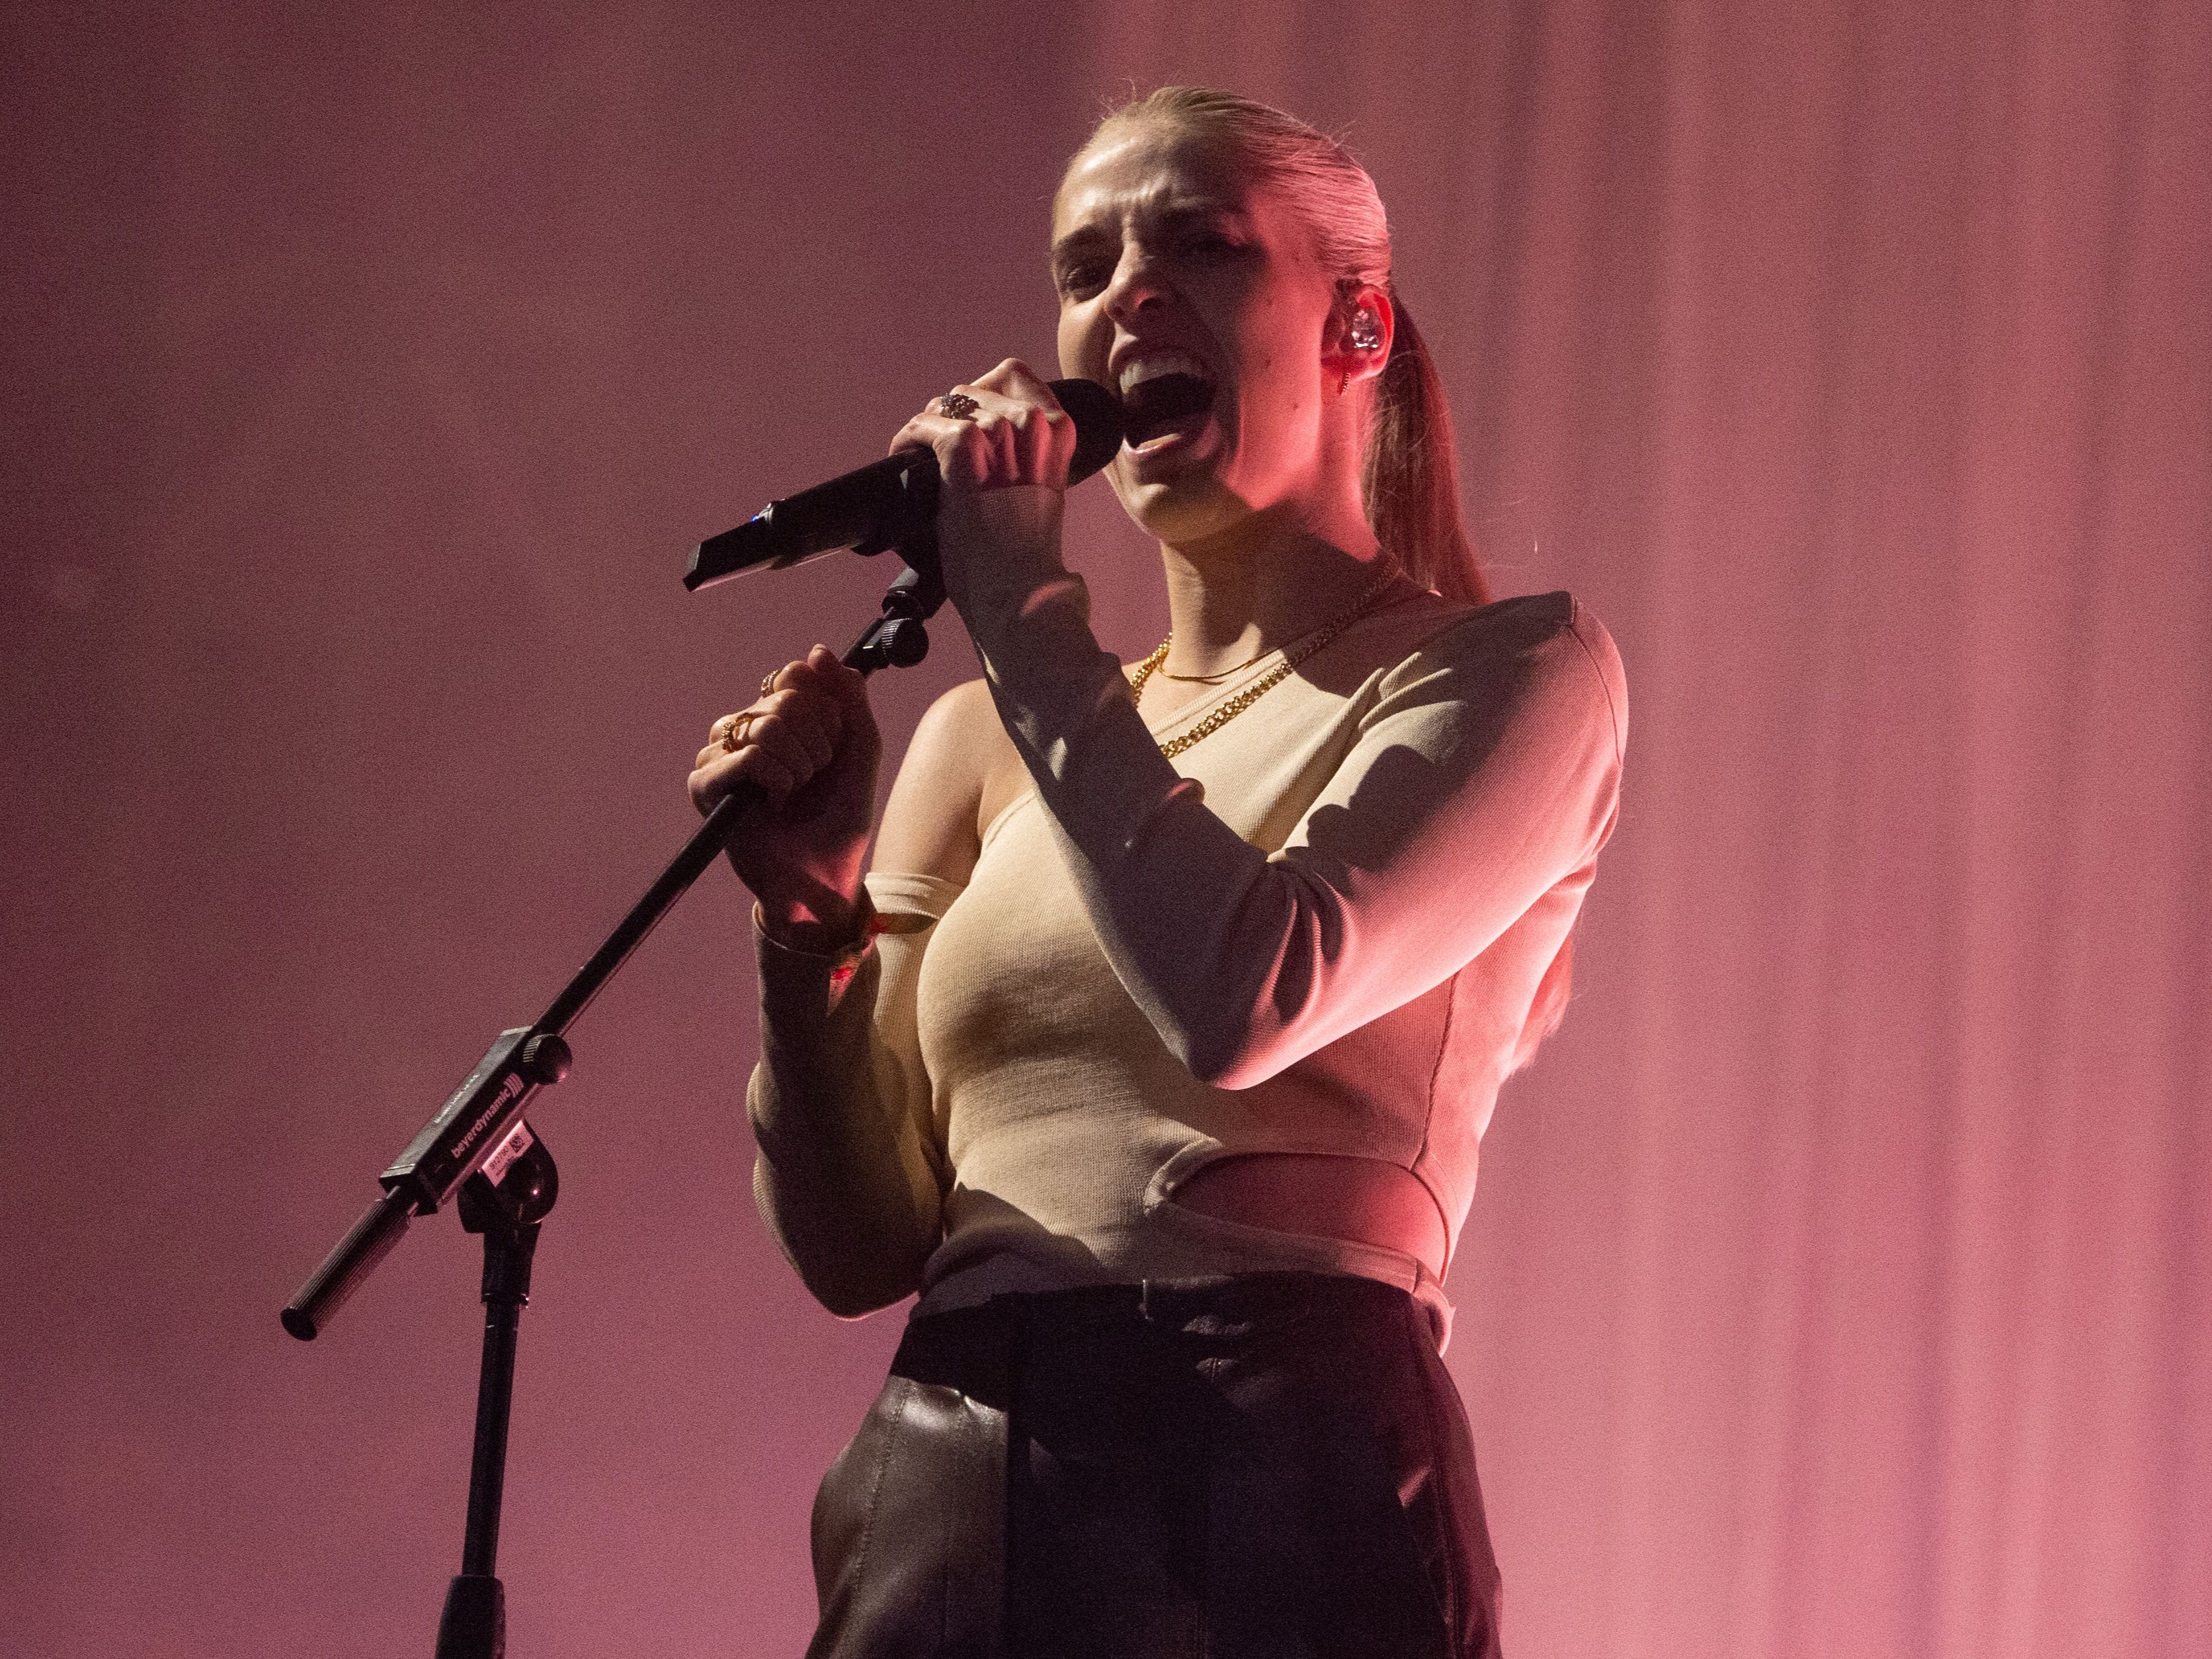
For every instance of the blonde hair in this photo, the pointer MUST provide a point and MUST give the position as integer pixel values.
(1409, 469)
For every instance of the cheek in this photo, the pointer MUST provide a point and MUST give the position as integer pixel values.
(1282, 370)
(1276, 415)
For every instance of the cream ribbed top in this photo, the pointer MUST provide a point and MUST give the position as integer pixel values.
(1319, 931)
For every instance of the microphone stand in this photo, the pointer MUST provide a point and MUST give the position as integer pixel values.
(479, 1143)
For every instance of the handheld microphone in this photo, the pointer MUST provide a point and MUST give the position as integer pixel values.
(885, 504)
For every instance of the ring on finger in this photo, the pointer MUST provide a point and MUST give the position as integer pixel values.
(731, 736)
(956, 406)
(768, 682)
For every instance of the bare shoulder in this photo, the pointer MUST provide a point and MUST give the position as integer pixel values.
(957, 764)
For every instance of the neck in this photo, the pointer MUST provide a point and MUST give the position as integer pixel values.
(1276, 575)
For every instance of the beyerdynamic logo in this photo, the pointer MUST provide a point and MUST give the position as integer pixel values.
(509, 1087)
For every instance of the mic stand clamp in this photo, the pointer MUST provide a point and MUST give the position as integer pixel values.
(897, 639)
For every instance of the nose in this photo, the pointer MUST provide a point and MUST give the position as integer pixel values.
(1136, 284)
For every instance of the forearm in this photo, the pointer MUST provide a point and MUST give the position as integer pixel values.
(842, 1178)
(1476, 781)
(1143, 844)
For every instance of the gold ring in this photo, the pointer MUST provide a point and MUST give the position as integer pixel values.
(768, 682)
(732, 736)
(956, 406)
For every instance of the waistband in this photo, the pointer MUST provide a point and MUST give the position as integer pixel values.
(1226, 1299)
(980, 1348)
(1010, 1274)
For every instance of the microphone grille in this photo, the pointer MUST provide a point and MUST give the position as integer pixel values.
(1098, 415)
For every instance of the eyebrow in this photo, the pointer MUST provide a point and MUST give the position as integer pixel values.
(1174, 215)
(1082, 236)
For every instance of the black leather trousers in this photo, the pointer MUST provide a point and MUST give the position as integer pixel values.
(1255, 1466)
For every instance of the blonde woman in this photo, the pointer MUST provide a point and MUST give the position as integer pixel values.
(1155, 1050)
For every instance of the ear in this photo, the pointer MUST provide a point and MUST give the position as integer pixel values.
(1356, 343)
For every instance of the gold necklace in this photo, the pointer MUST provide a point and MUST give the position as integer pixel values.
(1216, 678)
(1293, 653)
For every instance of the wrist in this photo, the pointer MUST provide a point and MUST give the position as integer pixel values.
(823, 923)
(1045, 613)
(999, 548)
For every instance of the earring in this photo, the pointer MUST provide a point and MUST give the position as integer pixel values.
(1366, 331)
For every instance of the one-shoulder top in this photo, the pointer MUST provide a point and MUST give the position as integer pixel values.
(1319, 930)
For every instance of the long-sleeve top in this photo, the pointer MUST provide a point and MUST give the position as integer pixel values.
(1319, 930)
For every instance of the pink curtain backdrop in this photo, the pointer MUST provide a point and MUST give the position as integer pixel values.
(1841, 1279)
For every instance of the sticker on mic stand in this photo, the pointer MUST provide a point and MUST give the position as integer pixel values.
(517, 1141)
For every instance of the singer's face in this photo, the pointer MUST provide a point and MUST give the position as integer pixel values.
(1196, 294)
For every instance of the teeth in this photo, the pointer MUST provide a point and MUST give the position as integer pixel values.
(1153, 365)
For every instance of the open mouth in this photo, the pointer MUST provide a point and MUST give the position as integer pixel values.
(1163, 398)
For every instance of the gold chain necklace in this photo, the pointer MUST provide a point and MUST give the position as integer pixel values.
(1216, 678)
(1297, 652)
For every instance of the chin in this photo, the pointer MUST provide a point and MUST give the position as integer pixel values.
(1179, 510)
(1177, 497)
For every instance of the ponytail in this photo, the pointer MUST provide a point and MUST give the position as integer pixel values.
(1409, 479)
(1409, 476)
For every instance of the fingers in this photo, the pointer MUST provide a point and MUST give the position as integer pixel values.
(796, 740)
(716, 778)
(1016, 379)
(850, 687)
(1017, 434)
(788, 735)
(825, 692)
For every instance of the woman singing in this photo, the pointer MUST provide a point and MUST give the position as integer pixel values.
(1156, 1048)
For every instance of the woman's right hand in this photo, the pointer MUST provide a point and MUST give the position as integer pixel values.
(809, 745)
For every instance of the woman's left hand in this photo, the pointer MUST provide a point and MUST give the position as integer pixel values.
(1002, 470)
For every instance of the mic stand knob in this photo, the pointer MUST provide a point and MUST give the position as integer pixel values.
(898, 638)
